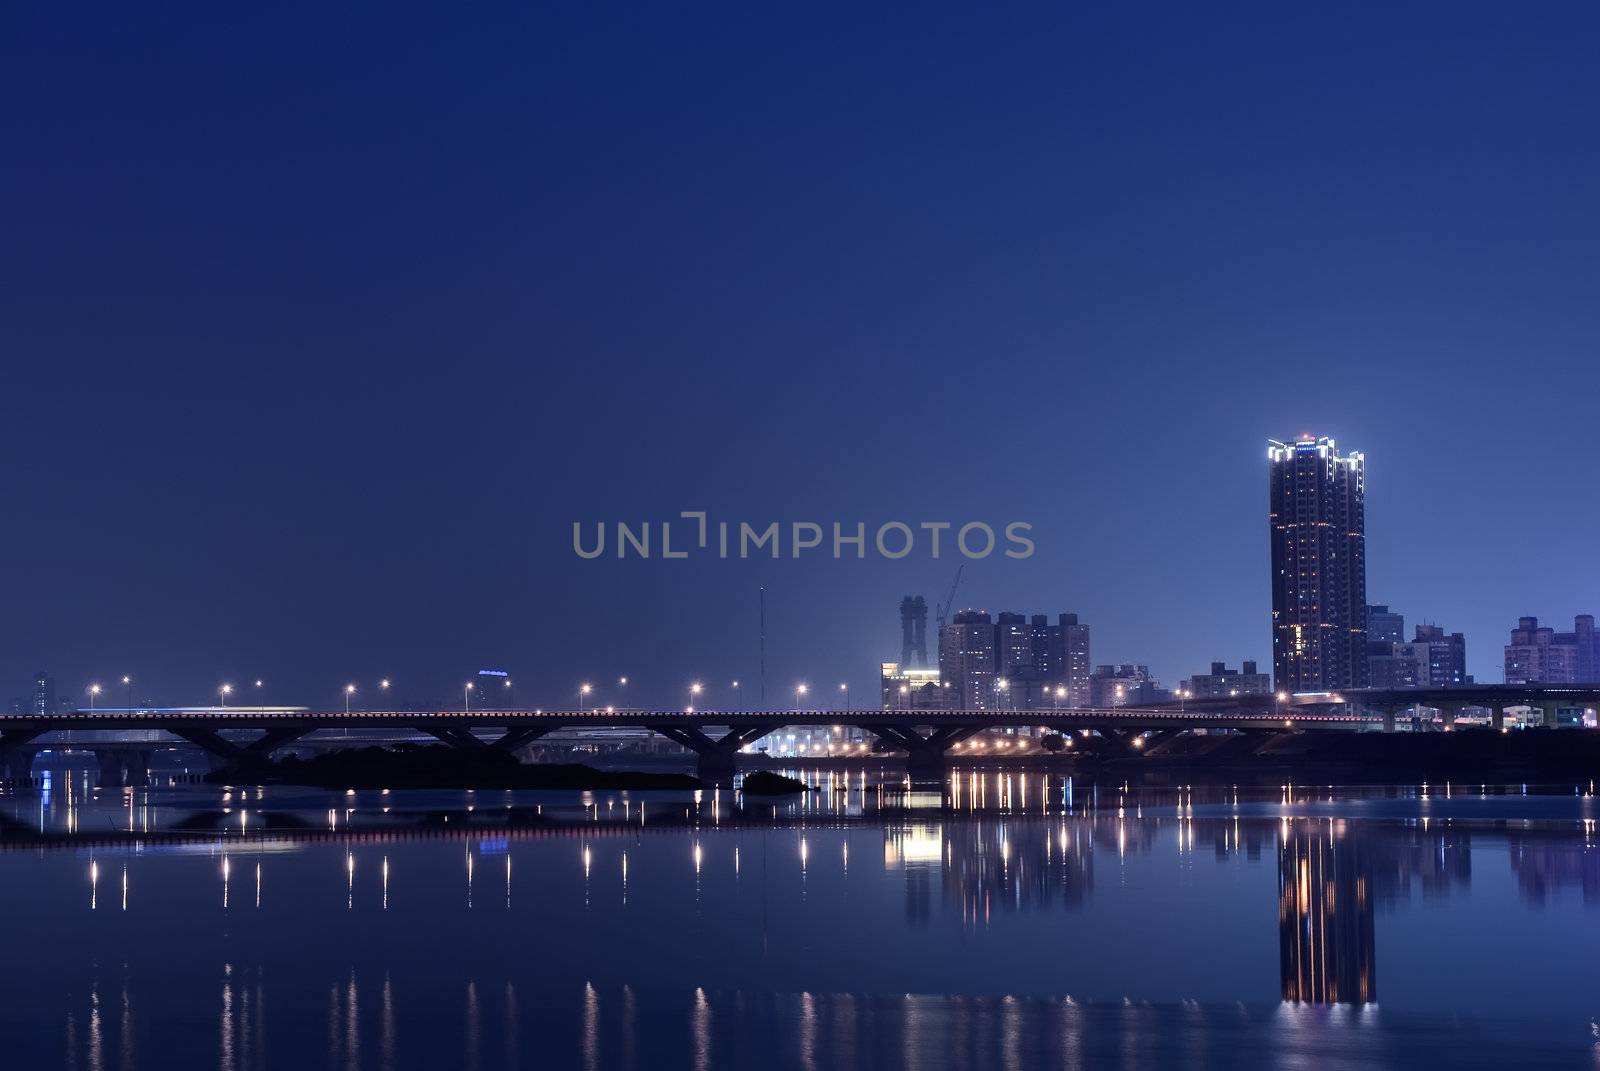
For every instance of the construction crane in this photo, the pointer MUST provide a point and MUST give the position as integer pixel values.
(943, 610)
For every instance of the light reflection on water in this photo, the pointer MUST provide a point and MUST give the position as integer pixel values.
(1005, 919)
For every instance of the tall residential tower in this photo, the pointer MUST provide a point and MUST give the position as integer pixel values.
(1319, 566)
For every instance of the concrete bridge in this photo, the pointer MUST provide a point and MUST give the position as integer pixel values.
(236, 736)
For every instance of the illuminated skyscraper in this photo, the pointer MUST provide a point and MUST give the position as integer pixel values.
(1319, 566)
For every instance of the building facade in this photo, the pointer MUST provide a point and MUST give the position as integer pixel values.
(1538, 654)
(1385, 625)
(1225, 683)
(912, 687)
(1014, 662)
(1319, 566)
(1432, 659)
(1125, 685)
(967, 660)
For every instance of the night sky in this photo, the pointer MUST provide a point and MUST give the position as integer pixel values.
(322, 325)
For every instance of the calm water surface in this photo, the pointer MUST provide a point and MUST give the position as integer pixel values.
(1003, 920)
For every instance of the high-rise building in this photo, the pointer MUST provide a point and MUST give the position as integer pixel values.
(1015, 662)
(1433, 659)
(1384, 626)
(967, 660)
(1540, 655)
(1441, 657)
(1225, 683)
(1013, 646)
(44, 694)
(1075, 667)
(1125, 685)
(1319, 566)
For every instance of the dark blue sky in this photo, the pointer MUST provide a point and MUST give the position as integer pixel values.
(321, 326)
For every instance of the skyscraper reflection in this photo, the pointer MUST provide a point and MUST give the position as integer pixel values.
(1325, 924)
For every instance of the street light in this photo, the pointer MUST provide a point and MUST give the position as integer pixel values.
(511, 695)
(466, 697)
(845, 688)
(349, 690)
(1000, 685)
(94, 690)
(695, 688)
(583, 694)
(127, 682)
(225, 691)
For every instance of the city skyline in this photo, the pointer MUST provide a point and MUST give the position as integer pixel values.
(276, 414)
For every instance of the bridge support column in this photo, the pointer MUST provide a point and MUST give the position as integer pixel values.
(113, 768)
(716, 761)
(1116, 743)
(927, 757)
(16, 760)
(1388, 719)
(1447, 715)
(1497, 716)
(16, 763)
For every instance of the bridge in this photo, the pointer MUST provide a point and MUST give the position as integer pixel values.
(237, 736)
(1385, 704)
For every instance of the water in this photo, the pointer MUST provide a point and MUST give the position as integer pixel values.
(1006, 920)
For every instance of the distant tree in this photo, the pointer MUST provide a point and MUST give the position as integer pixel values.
(1052, 742)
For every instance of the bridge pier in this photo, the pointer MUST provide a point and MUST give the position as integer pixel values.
(1497, 716)
(16, 759)
(927, 757)
(122, 767)
(224, 754)
(716, 761)
(16, 763)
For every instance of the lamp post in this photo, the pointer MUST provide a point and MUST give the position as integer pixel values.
(1280, 696)
(511, 694)
(259, 685)
(383, 686)
(583, 694)
(466, 697)
(127, 682)
(845, 688)
(736, 695)
(224, 692)
(622, 684)
(349, 690)
(695, 688)
(94, 690)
